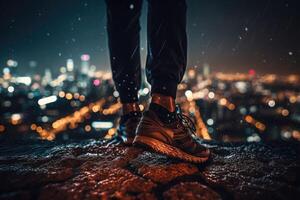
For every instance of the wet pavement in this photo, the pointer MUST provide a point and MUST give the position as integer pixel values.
(89, 170)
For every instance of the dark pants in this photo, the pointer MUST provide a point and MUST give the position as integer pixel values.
(167, 45)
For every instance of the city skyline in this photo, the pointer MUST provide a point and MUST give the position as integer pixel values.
(231, 36)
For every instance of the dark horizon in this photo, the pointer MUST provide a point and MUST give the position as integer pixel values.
(231, 36)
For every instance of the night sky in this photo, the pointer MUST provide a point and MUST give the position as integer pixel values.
(229, 35)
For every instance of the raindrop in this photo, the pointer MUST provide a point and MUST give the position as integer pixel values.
(131, 6)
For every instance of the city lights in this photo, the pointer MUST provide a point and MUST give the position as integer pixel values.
(223, 101)
(96, 82)
(24, 80)
(70, 65)
(85, 57)
(16, 119)
(47, 100)
(61, 94)
(11, 89)
(210, 122)
(215, 102)
(271, 103)
(260, 126)
(12, 63)
(69, 96)
(2, 128)
(211, 95)
(6, 70)
(254, 138)
(116, 94)
(110, 133)
(87, 128)
(102, 125)
(189, 95)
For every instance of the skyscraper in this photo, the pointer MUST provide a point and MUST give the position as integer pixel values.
(85, 58)
(206, 70)
(70, 65)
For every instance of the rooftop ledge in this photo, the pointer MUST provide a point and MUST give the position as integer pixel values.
(89, 170)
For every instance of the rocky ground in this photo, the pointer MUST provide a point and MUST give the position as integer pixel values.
(89, 170)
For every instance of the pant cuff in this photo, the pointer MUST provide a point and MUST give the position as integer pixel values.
(164, 87)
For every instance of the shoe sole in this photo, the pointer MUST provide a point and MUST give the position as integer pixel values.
(171, 151)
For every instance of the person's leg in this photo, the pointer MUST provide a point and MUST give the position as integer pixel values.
(161, 128)
(167, 49)
(123, 30)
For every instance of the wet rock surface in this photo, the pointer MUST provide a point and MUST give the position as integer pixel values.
(89, 170)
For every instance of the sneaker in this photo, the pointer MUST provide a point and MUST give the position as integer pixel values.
(177, 140)
(125, 132)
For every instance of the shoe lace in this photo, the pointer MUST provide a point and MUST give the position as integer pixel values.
(186, 121)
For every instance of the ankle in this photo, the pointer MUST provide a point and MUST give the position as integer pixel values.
(167, 102)
(163, 114)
